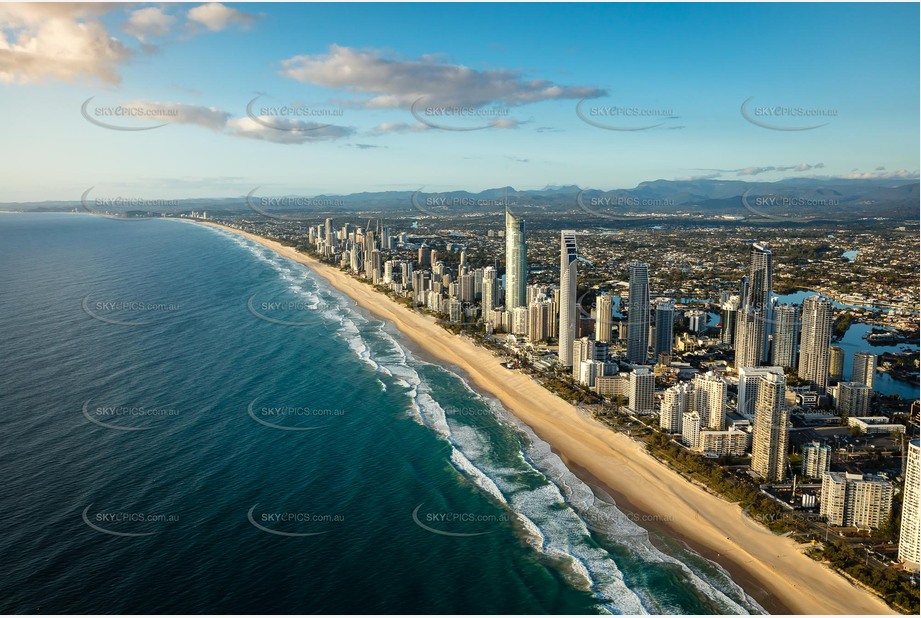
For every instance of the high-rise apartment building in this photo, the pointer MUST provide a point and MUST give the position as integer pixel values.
(569, 313)
(604, 313)
(786, 335)
(864, 368)
(516, 262)
(665, 328)
(638, 316)
(770, 433)
(863, 501)
(910, 532)
(816, 338)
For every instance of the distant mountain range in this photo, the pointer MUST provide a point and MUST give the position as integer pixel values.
(792, 199)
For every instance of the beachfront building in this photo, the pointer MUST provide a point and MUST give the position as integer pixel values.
(490, 290)
(858, 500)
(729, 442)
(816, 460)
(638, 316)
(569, 313)
(690, 429)
(864, 369)
(910, 531)
(710, 400)
(642, 390)
(816, 338)
(516, 262)
(541, 320)
(613, 386)
(589, 372)
(770, 433)
(582, 349)
(675, 402)
(604, 318)
(520, 317)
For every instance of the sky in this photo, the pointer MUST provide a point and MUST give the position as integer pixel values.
(309, 99)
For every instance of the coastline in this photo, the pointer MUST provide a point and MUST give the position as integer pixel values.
(771, 569)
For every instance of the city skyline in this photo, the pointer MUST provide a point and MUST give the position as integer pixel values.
(461, 309)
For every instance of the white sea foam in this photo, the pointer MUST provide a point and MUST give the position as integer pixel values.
(553, 508)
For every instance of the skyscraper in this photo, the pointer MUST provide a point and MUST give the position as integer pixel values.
(690, 428)
(580, 350)
(638, 317)
(569, 314)
(864, 369)
(516, 262)
(786, 335)
(642, 390)
(676, 400)
(665, 328)
(604, 312)
(328, 233)
(749, 342)
(541, 320)
(760, 283)
(813, 352)
(490, 289)
(769, 435)
(835, 363)
(910, 532)
(728, 315)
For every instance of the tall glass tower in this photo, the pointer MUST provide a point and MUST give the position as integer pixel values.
(516, 262)
(569, 315)
(760, 282)
(638, 316)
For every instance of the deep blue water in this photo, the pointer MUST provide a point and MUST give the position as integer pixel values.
(191, 423)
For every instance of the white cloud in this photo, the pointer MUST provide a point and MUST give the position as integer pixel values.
(266, 128)
(756, 170)
(894, 174)
(57, 41)
(400, 83)
(180, 113)
(288, 131)
(149, 21)
(709, 176)
(399, 127)
(215, 16)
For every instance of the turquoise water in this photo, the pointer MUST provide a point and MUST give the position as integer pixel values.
(191, 423)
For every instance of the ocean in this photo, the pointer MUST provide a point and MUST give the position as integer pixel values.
(194, 424)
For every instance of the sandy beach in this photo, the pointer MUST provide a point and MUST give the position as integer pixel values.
(772, 569)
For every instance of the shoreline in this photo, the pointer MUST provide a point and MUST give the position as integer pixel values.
(770, 568)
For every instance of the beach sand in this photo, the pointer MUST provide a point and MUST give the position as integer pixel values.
(770, 568)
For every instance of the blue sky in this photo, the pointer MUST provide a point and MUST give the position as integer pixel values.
(682, 70)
